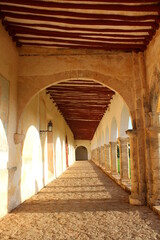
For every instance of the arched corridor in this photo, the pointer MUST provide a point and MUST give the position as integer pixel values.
(83, 203)
(79, 73)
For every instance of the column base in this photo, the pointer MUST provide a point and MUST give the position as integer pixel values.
(154, 201)
(136, 200)
(125, 180)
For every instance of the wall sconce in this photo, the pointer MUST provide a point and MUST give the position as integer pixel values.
(49, 128)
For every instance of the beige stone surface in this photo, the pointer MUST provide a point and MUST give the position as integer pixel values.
(81, 204)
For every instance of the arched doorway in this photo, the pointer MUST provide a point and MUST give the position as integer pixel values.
(81, 153)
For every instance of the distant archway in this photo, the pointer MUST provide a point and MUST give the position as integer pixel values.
(81, 153)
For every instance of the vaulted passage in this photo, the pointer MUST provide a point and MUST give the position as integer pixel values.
(83, 203)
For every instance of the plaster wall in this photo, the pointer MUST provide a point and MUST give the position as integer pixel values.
(34, 166)
(104, 132)
(8, 72)
(86, 144)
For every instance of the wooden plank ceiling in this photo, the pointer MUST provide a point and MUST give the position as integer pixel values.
(105, 24)
(82, 104)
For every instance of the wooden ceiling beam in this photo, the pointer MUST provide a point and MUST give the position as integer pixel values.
(76, 95)
(85, 40)
(80, 95)
(82, 112)
(79, 99)
(82, 105)
(76, 87)
(81, 22)
(11, 8)
(94, 6)
(82, 31)
(101, 1)
(109, 47)
(89, 43)
(82, 122)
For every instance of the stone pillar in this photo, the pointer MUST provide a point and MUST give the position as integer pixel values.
(154, 133)
(135, 197)
(93, 155)
(102, 157)
(98, 156)
(113, 154)
(107, 157)
(124, 158)
(139, 122)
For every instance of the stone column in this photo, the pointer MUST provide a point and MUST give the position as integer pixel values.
(102, 157)
(93, 155)
(98, 156)
(113, 154)
(154, 133)
(124, 158)
(139, 123)
(107, 157)
(135, 198)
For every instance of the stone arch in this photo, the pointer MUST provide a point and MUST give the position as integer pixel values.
(124, 121)
(29, 86)
(81, 153)
(32, 165)
(114, 129)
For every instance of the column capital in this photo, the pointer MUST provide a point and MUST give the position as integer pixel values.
(131, 132)
(107, 145)
(123, 140)
(112, 143)
(18, 138)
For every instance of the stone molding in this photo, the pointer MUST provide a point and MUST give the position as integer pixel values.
(112, 144)
(123, 140)
(131, 132)
(18, 138)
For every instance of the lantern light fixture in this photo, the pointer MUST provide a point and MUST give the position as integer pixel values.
(49, 127)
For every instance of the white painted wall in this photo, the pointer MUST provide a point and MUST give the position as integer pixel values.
(35, 154)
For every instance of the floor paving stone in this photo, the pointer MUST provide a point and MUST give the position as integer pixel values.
(83, 203)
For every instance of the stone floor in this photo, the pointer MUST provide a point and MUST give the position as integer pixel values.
(81, 204)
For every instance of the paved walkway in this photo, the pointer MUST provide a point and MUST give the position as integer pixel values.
(81, 204)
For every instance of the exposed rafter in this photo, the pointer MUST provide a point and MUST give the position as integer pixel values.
(119, 25)
(82, 103)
